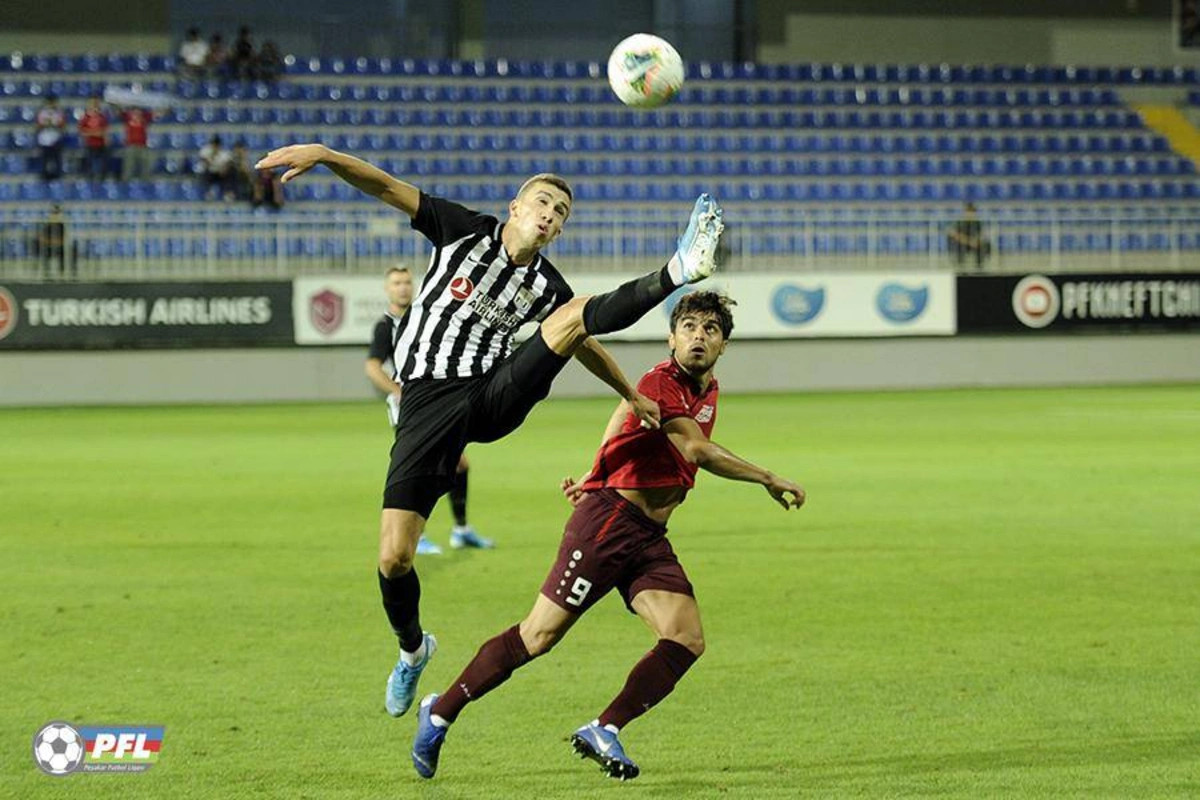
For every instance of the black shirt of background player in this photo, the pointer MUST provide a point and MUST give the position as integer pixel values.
(445, 334)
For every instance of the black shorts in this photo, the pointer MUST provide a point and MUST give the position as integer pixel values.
(439, 417)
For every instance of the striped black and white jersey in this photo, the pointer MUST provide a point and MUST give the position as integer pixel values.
(473, 299)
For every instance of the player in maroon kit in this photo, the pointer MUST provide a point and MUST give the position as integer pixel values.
(617, 539)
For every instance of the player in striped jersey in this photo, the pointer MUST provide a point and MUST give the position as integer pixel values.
(463, 380)
(380, 369)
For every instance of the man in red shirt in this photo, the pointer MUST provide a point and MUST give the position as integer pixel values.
(135, 157)
(93, 129)
(616, 538)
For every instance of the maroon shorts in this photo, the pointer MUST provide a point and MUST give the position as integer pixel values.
(610, 543)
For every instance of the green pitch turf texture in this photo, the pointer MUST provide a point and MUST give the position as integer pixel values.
(989, 594)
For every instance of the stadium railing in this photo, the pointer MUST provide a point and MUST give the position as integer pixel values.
(236, 244)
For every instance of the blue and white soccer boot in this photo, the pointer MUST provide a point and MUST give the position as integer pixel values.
(402, 683)
(602, 746)
(465, 536)
(427, 744)
(427, 548)
(697, 253)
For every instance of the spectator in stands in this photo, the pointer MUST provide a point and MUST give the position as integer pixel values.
(93, 131)
(243, 176)
(193, 56)
(51, 244)
(966, 238)
(216, 169)
(269, 64)
(1189, 23)
(268, 191)
(51, 123)
(216, 63)
(135, 157)
(242, 59)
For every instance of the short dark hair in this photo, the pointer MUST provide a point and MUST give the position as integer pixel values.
(403, 270)
(556, 181)
(712, 303)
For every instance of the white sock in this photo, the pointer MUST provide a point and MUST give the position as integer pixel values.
(460, 529)
(613, 729)
(675, 270)
(439, 721)
(412, 659)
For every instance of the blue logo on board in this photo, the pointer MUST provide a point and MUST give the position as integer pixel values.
(795, 305)
(900, 304)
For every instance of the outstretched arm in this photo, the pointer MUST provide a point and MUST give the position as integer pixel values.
(300, 158)
(600, 363)
(693, 445)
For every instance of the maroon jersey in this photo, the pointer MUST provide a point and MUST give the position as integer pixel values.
(641, 458)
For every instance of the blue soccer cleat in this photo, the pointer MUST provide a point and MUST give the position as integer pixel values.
(427, 744)
(427, 548)
(465, 536)
(602, 746)
(698, 245)
(402, 683)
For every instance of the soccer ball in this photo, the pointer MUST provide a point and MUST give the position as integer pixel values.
(58, 748)
(645, 71)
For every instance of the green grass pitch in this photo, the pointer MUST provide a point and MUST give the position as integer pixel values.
(989, 594)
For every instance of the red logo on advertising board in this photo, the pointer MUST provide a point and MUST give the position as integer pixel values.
(8, 313)
(461, 288)
(326, 310)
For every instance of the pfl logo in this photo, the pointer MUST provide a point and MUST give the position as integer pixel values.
(60, 748)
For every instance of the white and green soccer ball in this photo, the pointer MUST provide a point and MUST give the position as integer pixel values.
(58, 748)
(645, 71)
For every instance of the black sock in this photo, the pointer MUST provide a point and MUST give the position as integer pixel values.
(458, 498)
(401, 601)
(625, 305)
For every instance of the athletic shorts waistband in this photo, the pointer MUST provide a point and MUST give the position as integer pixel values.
(613, 499)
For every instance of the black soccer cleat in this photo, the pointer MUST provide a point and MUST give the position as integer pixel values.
(603, 747)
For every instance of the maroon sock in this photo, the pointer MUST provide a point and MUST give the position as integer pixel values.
(650, 680)
(492, 666)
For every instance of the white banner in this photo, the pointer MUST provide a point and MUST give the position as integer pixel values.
(337, 310)
(816, 304)
(769, 306)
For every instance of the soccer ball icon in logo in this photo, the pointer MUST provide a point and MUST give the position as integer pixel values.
(645, 71)
(58, 749)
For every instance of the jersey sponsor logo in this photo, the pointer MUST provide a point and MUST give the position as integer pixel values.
(705, 414)
(899, 304)
(795, 305)
(8, 313)
(1035, 301)
(326, 310)
(461, 288)
(494, 314)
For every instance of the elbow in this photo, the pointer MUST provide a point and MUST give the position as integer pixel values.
(698, 454)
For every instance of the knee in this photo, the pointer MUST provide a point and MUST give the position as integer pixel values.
(692, 640)
(395, 562)
(539, 641)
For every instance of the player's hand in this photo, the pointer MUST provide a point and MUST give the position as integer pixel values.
(298, 158)
(573, 489)
(646, 410)
(787, 494)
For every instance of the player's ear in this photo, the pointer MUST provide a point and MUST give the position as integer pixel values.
(671, 341)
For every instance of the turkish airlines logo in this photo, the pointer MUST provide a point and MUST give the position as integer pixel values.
(8, 313)
(1035, 301)
(461, 288)
(705, 414)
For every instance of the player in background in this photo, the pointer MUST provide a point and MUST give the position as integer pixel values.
(463, 379)
(398, 283)
(617, 538)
